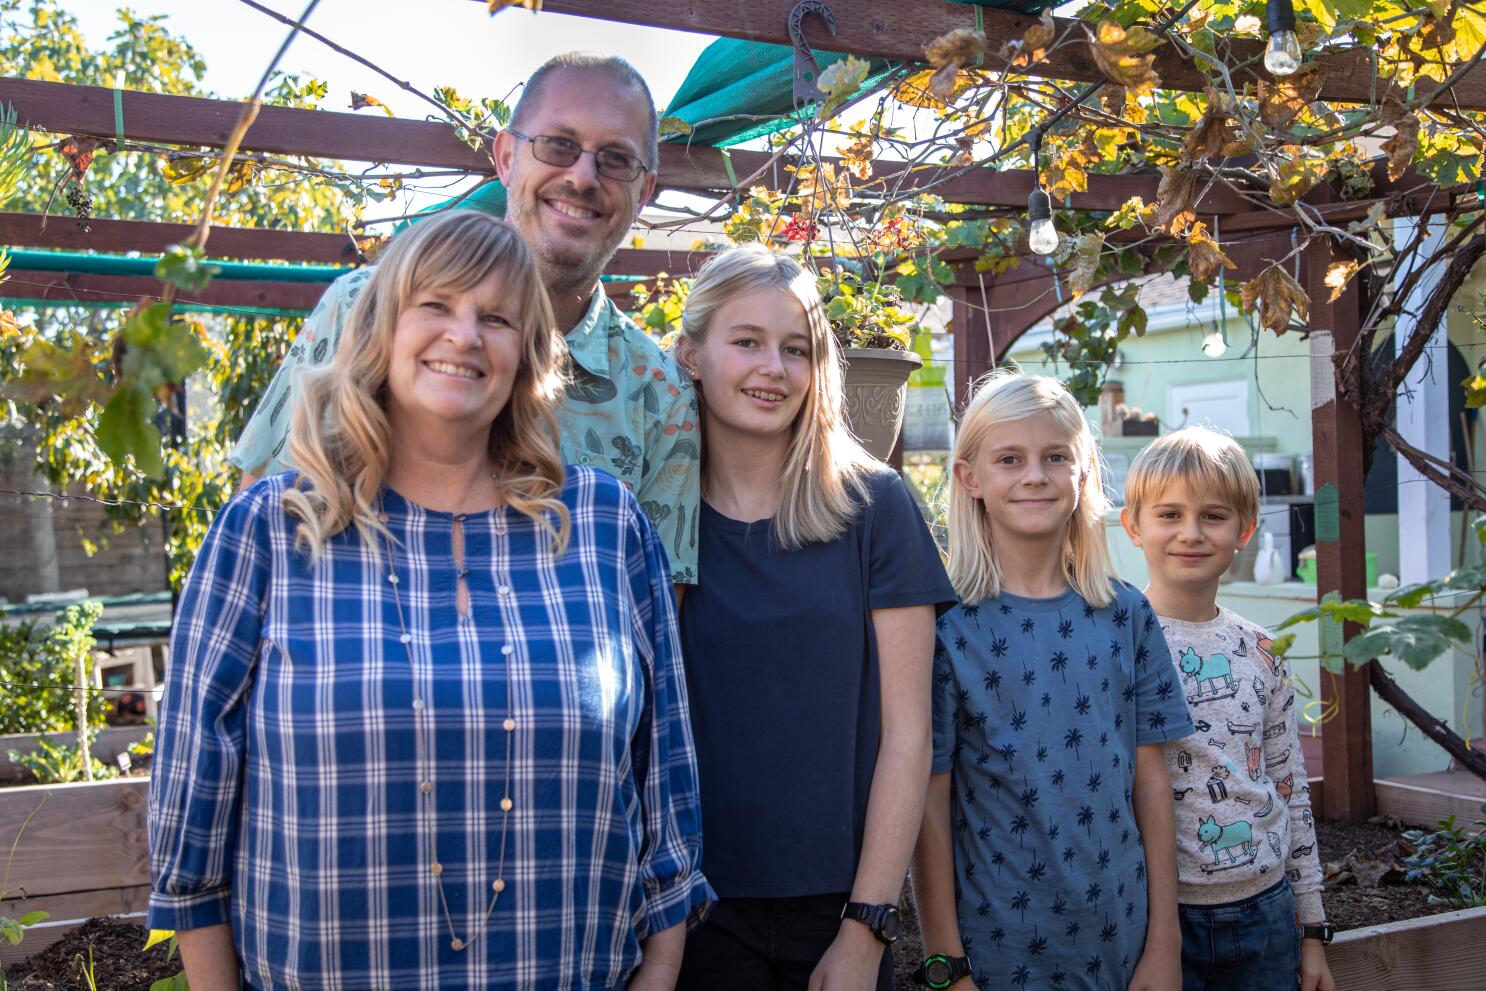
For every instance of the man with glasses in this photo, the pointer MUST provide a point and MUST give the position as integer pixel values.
(578, 162)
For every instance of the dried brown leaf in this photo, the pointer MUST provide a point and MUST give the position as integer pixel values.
(1123, 55)
(1400, 148)
(1176, 200)
(496, 6)
(1205, 257)
(1282, 101)
(1212, 134)
(1085, 263)
(960, 46)
(1036, 39)
(1276, 295)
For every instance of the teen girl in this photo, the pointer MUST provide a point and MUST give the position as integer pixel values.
(1047, 853)
(807, 644)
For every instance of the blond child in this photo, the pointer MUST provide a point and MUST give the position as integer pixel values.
(1046, 854)
(1249, 878)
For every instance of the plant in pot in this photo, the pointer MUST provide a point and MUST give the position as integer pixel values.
(873, 330)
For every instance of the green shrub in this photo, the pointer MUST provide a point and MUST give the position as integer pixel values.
(1452, 861)
(38, 671)
(59, 763)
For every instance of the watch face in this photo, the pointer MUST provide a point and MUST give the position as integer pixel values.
(891, 926)
(936, 973)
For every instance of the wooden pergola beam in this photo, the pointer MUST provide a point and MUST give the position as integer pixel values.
(899, 29)
(74, 287)
(154, 118)
(30, 230)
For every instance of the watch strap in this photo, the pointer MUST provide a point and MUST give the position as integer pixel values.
(958, 968)
(1324, 932)
(871, 916)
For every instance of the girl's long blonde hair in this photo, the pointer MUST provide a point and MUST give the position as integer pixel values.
(824, 481)
(340, 436)
(1001, 399)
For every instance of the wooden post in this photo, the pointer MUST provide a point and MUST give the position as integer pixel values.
(1336, 439)
(973, 355)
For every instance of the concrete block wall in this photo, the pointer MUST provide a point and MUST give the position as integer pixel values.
(130, 560)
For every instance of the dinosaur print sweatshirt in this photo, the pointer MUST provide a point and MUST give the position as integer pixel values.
(1243, 808)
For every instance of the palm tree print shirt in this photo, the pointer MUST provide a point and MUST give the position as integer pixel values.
(1039, 705)
(627, 411)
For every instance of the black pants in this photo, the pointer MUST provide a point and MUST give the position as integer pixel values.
(766, 944)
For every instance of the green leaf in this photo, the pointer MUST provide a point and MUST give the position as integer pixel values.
(1468, 579)
(160, 350)
(1359, 611)
(11, 930)
(185, 267)
(1411, 595)
(1280, 646)
(32, 918)
(126, 428)
(158, 936)
(1415, 640)
(176, 983)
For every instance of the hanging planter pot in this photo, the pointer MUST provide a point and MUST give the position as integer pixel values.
(876, 387)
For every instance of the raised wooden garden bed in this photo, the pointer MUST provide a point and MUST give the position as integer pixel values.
(81, 850)
(1436, 953)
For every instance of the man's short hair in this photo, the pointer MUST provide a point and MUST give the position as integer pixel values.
(1210, 464)
(615, 68)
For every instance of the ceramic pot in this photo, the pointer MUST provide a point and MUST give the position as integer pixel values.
(876, 385)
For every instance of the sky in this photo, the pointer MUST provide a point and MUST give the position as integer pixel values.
(429, 43)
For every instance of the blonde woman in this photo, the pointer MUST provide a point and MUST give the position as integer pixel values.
(425, 725)
(807, 646)
(1048, 848)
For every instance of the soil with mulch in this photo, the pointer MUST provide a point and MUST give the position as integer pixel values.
(1373, 846)
(116, 961)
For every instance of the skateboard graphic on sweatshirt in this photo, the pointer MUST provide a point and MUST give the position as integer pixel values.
(1232, 844)
(1211, 677)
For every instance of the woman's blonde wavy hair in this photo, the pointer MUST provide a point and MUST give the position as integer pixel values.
(999, 401)
(824, 482)
(340, 436)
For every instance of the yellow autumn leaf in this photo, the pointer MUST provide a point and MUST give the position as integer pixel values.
(1205, 257)
(1338, 274)
(1123, 55)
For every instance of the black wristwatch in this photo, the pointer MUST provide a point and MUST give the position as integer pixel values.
(1324, 932)
(883, 920)
(940, 971)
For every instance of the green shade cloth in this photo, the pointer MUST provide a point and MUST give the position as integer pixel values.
(89, 264)
(735, 77)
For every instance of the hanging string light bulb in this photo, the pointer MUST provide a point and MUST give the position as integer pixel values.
(1043, 236)
(1282, 54)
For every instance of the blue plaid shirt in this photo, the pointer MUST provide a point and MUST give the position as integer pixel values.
(285, 793)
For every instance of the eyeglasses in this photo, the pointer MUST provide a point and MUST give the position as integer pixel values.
(553, 150)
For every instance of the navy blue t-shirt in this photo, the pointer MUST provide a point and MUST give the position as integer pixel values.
(781, 667)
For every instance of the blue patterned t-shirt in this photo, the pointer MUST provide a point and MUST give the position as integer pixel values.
(1039, 705)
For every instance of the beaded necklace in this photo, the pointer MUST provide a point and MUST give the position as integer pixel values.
(423, 734)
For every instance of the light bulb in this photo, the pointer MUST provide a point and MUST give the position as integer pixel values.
(1214, 346)
(1282, 53)
(1043, 238)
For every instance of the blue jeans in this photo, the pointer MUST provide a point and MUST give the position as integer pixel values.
(1249, 945)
